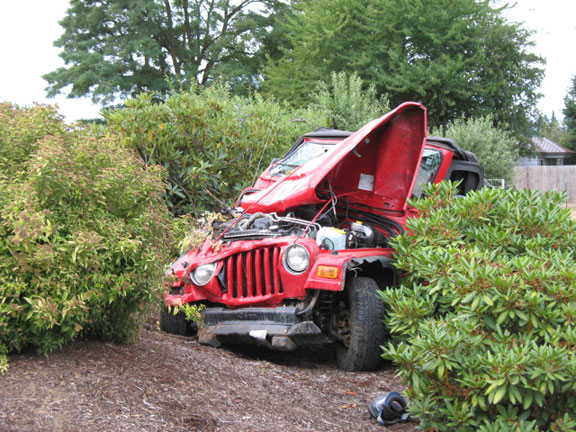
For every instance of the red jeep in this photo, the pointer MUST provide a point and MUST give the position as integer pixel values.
(302, 262)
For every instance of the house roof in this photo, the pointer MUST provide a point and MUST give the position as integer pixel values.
(544, 145)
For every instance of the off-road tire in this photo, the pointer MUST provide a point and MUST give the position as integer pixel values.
(367, 331)
(176, 324)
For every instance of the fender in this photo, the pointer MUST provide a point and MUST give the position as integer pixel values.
(331, 267)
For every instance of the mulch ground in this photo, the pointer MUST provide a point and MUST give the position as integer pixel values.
(170, 383)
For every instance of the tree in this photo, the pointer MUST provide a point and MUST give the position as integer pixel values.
(550, 128)
(460, 57)
(117, 48)
(346, 104)
(570, 116)
(320, 37)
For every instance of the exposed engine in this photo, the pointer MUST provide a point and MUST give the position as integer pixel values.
(368, 231)
(264, 225)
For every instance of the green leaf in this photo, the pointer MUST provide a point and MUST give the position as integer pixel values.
(500, 393)
(527, 400)
(441, 370)
(488, 300)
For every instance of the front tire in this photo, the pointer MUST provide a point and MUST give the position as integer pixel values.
(361, 350)
(176, 324)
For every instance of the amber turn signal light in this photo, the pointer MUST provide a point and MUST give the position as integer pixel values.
(328, 272)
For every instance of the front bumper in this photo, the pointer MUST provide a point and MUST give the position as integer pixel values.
(277, 328)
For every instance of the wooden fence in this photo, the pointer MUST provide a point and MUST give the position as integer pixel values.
(547, 178)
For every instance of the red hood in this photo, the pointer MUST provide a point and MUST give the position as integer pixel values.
(375, 166)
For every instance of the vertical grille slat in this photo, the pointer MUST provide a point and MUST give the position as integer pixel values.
(245, 289)
(253, 273)
(230, 274)
(250, 274)
(258, 271)
(267, 270)
(240, 275)
(275, 275)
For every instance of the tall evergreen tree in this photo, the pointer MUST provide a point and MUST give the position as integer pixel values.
(550, 128)
(570, 116)
(121, 47)
(459, 57)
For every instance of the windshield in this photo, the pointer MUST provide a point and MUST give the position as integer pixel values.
(307, 151)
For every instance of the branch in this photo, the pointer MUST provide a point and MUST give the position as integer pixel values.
(171, 41)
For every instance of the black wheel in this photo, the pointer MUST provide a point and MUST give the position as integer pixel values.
(360, 315)
(176, 324)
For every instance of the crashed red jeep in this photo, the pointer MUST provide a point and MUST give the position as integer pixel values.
(302, 262)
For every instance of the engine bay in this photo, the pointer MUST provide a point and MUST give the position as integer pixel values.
(334, 228)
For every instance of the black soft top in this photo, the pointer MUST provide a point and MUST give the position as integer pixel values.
(458, 151)
(323, 132)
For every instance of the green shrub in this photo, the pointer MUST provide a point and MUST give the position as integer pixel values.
(485, 320)
(209, 141)
(83, 235)
(495, 148)
(345, 104)
(21, 131)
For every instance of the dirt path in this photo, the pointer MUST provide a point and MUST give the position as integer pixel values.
(170, 383)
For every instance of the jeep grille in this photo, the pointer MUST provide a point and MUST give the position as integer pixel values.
(251, 274)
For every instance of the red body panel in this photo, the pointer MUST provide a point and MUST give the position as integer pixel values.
(253, 288)
(292, 286)
(375, 166)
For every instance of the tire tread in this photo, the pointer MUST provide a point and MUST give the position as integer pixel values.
(175, 324)
(364, 352)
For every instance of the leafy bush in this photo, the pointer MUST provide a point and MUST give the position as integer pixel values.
(83, 229)
(209, 141)
(21, 131)
(346, 104)
(495, 148)
(485, 320)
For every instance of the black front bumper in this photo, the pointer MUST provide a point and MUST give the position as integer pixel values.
(277, 328)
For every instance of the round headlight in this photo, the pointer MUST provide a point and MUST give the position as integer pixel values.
(296, 259)
(203, 273)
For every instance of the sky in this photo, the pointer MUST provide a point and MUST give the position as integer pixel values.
(29, 28)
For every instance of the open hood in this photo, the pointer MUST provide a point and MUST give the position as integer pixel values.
(375, 167)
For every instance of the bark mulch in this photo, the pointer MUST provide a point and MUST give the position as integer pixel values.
(170, 383)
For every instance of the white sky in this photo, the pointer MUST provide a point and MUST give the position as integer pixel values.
(27, 32)
(29, 28)
(555, 26)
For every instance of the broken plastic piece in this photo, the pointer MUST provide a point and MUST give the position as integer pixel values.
(389, 409)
